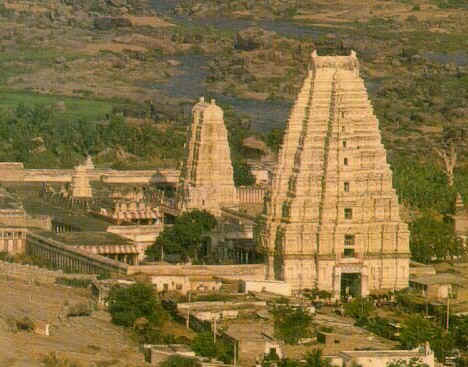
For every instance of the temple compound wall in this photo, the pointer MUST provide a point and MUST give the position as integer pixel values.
(243, 272)
(207, 180)
(333, 218)
(15, 172)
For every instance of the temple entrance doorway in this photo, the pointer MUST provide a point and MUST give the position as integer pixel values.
(351, 285)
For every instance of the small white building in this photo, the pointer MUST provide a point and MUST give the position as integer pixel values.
(271, 286)
(380, 358)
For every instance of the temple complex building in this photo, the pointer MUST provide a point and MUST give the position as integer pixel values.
(333, 218)
(206, 180)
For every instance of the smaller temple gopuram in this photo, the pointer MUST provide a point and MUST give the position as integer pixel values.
(80, 187)
(206, 180)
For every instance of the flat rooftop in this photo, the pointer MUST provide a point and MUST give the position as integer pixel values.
(87, 238)
(441, 278)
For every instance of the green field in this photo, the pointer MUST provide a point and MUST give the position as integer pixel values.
(76, 108)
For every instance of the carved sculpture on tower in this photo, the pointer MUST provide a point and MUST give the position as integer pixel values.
(206, 180)
(333, 217)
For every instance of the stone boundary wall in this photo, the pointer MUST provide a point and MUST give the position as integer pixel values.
(244, 272)
(250, 195)
(15, 172)
(217, 305)
(35, 273)
(67, 257)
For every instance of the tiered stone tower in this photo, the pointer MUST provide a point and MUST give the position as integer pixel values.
(333, 217)
(80, 187)
(206, 180)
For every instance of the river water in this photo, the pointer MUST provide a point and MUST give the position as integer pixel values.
(264, 115)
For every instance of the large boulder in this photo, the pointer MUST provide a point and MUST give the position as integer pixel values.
(253, 38)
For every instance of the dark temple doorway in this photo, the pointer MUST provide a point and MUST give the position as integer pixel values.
(351, 285)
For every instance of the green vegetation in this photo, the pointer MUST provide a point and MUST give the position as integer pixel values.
(74, 108)
(137, 307)
(242, 174)
(180, 361)
(79, 309)
(73, 282)
(416, 330)
(274, 139)
(25, 324)
(204, 345)
(185, 239)
(413, 362)
(128, 304)
(314, 358)
(40, 138)
(434, 239)
(51, 360)
(291, 323)
(359, 308)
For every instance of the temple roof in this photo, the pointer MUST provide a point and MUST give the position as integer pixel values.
(87, 238)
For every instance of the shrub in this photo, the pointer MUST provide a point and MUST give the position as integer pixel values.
(127, 304)
(79, 309)
(73, 282)
(52, 361)
(180, 361)
(291, 323)
(359, 308)
(25, 324)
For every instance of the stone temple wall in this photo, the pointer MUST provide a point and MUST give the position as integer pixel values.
(333, 210)
(252, 272)
(15, 172)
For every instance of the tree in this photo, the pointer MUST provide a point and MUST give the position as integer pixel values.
(204, 345)
(442, 343)
(452, 137)
(359, 308)
(274, 139)
(431, 238)
(242, 174)
(422, 186)
(180, 361)
(413, 362)
(185, 237)
(286, 362)
(291, 323)
(316, 359)
(459, 330)
(415, 331)
(127, 304)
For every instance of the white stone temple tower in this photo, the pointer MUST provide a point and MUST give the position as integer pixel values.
(206, 180)
(80, 187)
(333, 218)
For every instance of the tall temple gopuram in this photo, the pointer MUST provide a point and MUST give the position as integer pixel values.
(206, 180)
(332, 217)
